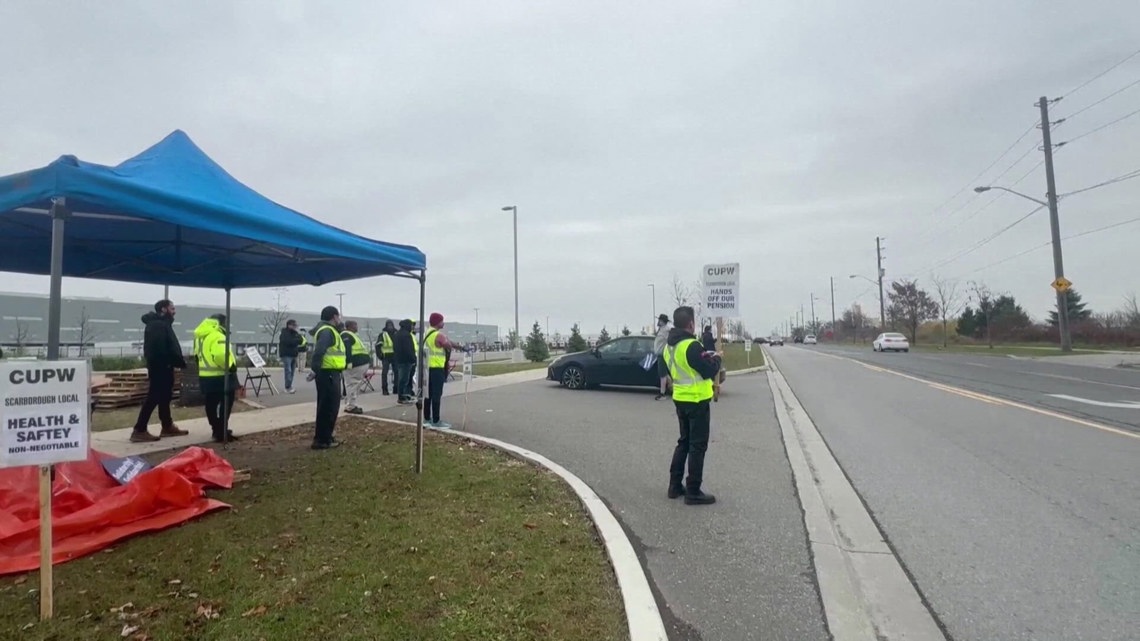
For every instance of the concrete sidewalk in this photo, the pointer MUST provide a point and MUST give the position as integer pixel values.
(117, 442)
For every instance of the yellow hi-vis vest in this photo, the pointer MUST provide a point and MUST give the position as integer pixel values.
(211, 353)
(436, 357)
(688, 386)
(386, 346)
(334, 358)
(358, 347)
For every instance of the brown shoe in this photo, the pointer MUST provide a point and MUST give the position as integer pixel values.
(173, 431)
(143, 437)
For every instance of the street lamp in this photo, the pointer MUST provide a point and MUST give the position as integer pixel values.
(340, 303)
(516, 353)
(653, 319)
(1059, 281)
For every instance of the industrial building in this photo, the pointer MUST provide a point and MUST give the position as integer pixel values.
(113, 328)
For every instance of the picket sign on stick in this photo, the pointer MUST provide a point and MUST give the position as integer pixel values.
(45, 418)
(468, 368)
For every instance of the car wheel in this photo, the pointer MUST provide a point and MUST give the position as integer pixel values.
(573, 377)
(906, 351)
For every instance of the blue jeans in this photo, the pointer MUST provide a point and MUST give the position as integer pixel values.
(290, 365)
(404, 379)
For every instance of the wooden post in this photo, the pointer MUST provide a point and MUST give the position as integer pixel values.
(47, 598)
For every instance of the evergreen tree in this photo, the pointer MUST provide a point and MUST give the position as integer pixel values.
(536, 349)
(1078, 311)
(603, 336)
(576, 343)
(625, 331)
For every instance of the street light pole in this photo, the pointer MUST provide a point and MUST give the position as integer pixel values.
(515, 221)
(1055, 230)
(653, 316)
(813, 312)
(879, 275)
(340, 303)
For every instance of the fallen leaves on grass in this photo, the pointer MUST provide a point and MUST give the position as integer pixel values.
(255, 612)
(209, 611)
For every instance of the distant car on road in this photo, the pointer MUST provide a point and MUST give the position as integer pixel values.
(615, 362)
(776, 340)
(809, 339)
(891, 342)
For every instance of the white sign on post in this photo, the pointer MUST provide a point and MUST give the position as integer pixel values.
(255, 357)
(720, 290)
(44, 412)
(468, 366)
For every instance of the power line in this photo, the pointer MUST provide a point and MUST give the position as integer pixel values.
(1105, 228)
(1047, 243)
(985, 241)
(1111, 95)
(1100, 75)
(1112, 181)
(1100, 128)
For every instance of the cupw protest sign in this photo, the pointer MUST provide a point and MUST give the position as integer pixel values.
(720, 290)
(43, 412)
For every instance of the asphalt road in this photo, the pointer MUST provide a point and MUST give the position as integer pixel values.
(737, 570)
(1014, 525)
(1032, 381)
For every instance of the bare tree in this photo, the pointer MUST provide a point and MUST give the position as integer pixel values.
(87, 333)
(21, 336)
(1131, 311)
(276, 316)
(949, 299)
(682, 294)
(980, 293)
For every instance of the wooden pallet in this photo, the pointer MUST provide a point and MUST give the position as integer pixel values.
(127, 389)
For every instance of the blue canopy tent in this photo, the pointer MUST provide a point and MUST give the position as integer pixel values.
(172, 216)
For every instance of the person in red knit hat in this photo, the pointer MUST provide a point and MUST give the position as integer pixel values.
(437, 352)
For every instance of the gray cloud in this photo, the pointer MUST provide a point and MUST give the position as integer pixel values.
(638, 140)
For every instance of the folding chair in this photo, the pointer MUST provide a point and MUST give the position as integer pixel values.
(367, 385)
(255, 381)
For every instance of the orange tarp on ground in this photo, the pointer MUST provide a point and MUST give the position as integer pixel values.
(91, 510)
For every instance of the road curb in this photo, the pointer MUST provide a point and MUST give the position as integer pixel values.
(641, 612)
(749, 370)
(866, 594)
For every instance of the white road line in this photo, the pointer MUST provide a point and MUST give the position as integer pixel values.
(1088, 401)
(865, 592)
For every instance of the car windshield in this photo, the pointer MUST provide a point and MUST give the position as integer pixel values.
(896, 337)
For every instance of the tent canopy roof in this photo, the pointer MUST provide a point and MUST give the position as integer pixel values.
(172, 216)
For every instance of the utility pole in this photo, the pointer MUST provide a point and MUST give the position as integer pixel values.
(833, 306)
(812, 294)
(882, 303)
(1055, 229)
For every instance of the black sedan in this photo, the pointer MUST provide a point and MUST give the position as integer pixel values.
(615, 362)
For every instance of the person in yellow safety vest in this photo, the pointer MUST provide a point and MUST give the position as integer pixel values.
(386, 352)
(359, 362)
(210, 342)
(692, 370)
(327, 361)
(436, 351)
(303, 351)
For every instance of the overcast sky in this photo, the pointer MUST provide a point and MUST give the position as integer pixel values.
(638, 139)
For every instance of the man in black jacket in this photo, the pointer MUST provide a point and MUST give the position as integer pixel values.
(386, 353)
(163, 354)
(692, 369)
(405, 358)
(288, 347)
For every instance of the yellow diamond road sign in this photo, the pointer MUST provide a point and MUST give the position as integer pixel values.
(1062, 284)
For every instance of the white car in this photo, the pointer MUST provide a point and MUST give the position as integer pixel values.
(891, 342)
(809, 339)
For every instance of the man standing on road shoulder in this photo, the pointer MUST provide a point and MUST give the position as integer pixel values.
(385, 351)
(692, 370)
(163, 355)
(659, 342)
(437, 349)
(327, 362)
(404, 356)
(288, 348)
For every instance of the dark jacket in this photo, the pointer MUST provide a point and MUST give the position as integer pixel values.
(160, 344)
(290, 343)
(707, 366)
(405, 345)
(708, 342)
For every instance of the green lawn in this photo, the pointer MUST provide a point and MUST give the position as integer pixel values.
(491, 369)
(348, 544)
(736, 358)
(103, 420)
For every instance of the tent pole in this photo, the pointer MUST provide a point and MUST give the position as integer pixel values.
(226, 379)
(55, 295)
(420, 373)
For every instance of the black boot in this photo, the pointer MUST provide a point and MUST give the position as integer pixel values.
(697, 497)
(676, 488)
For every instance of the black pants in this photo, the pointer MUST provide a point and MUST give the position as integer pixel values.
(386, 363)
(694, 420)
(217, 402)
(158, 394)
(436, 377)
(328, 404)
